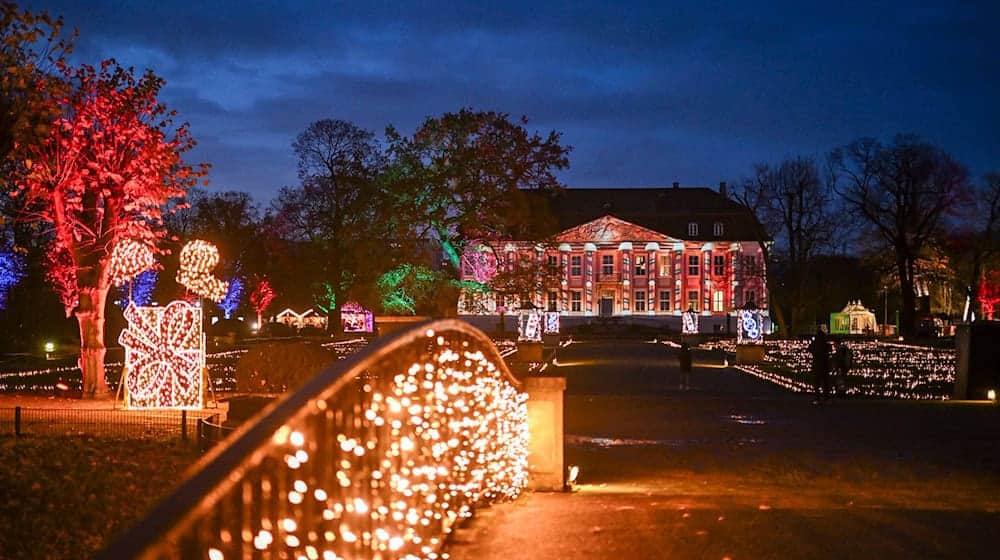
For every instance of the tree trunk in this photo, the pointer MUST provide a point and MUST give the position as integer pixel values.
(90, 316)
(773, 303)
(908, 305)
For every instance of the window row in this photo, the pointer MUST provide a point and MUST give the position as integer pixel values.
(717, 303)
(640, 265)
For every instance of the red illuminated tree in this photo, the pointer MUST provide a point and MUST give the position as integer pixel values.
(261, 298)
(109, 165)
(989, 294)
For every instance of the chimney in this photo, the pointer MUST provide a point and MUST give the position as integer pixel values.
(722, 188)
(677, 185)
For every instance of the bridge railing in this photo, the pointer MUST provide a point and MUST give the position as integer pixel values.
(376, 457)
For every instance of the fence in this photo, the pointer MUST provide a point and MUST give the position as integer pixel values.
(211, 431)
(378, 456)
(126, 424)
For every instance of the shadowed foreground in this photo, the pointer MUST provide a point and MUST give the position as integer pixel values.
(736, 468)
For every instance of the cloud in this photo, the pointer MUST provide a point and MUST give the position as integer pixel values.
(647, 94)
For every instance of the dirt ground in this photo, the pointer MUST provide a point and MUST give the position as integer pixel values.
(736, 468)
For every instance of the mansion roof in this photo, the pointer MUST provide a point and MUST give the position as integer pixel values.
(664, 210)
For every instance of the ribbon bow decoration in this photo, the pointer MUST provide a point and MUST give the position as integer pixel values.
(164, 356)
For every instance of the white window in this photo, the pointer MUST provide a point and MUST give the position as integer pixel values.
(640, 300)
(692, 229)
(718, 303)
(717, 229)
(574, 265)
(640, 265)
(664, 265)
(574, 300)
(693, 300)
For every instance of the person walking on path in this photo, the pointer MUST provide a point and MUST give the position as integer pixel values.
(684, 361)
(820, 350)
(842, 362)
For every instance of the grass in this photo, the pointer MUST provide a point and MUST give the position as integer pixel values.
(67, 497)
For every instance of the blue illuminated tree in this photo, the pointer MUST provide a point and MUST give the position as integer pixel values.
(11, 272)
(141, 288)
(231, 302)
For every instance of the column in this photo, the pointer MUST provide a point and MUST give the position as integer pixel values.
(625, 254)
(564, 250)
(652, 273)
(546, 465)
(590, 253)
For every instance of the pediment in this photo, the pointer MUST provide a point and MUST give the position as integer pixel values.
(609, 229)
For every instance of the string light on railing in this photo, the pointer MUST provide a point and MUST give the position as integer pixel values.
(198, 260)
(424, 444)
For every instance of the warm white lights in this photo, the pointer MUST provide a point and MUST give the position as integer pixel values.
(129, 259)
(198, 259)
(386, 467)
(164, 356)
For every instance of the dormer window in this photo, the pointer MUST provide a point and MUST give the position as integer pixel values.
(692, 229)
(717, 229)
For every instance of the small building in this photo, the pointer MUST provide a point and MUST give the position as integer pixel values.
(855, 318)
(356, 319)
(307, 318)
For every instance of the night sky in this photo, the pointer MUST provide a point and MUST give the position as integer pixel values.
(647, 94)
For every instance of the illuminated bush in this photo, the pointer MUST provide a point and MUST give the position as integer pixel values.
(276, 367)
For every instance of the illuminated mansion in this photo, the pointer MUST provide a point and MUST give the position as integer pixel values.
(632, 252)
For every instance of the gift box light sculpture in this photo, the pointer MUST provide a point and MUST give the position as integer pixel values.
(689, 322)
(164, 357)
(197, 261)
(530, 327)
(552, 322)
(749, 329)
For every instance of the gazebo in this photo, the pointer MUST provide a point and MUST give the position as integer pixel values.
(855, 318)
(354, 318)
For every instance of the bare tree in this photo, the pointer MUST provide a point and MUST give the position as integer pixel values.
(983, 243)
(795, 209)
(335, 211)
(904, 190)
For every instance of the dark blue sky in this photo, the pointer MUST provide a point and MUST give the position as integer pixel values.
(647, 93)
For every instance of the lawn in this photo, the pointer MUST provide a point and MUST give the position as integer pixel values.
(67, 497)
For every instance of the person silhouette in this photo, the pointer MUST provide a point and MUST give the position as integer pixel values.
(820, 350)
(684, 363)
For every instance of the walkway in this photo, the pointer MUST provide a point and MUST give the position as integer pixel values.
(735, 469)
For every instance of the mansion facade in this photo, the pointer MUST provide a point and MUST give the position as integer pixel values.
(637, 252)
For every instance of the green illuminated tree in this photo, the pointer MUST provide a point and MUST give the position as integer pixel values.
(462, 177)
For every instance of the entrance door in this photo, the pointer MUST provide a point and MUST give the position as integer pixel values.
(607, 307)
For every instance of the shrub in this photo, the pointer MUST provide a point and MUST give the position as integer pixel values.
(276, 367)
